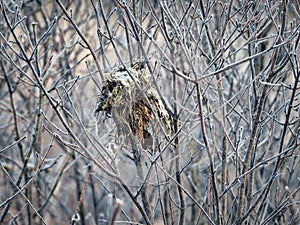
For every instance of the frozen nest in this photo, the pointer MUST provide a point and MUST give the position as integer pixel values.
(129, 98)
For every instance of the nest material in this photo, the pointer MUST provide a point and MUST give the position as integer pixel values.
(128, 97)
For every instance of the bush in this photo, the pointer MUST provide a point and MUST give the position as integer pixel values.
(210, 137)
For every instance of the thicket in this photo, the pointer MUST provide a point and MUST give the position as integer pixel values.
(210, 136)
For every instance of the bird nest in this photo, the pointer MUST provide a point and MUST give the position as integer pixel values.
(129, 98)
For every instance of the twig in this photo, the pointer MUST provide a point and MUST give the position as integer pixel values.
(82, 37)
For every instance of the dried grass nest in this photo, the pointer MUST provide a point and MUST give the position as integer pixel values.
(130, 99)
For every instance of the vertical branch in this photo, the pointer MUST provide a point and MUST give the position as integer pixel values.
(224, 145)
(94, 194)
(117, 211)
(223, 129)
(256, 120)
(13, 108)
(177, 160)
(79, 206)
(211, 163)
(143, 190)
